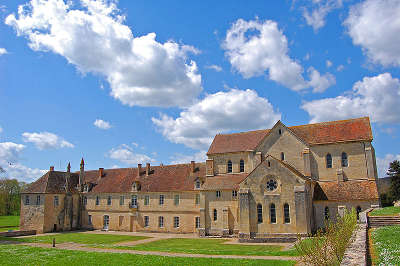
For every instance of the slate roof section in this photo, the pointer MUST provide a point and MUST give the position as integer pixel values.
(224, 182)
(53, 182)
(345, 191)
(358, 129)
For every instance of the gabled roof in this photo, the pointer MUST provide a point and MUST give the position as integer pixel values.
(53, 182)
(344, 191)
(358, 129)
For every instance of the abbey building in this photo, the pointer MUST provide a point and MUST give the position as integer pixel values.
(256, 185)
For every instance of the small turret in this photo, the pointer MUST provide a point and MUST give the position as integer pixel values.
(81, 175)
(67, 177)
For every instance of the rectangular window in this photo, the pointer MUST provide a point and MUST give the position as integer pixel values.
(176, 222)
(97, 200)
(27, 200)
(146, 200)
(234, 193)
(160, 221)
(55, 201)
(146, 221)
(197, 199)
(197, 184)
(109, 200)
(90, 220)
(161, 202)
(134, 200)
(197, 222)
(121, 200)
(218, 194)
(38, 200)
(176, 200)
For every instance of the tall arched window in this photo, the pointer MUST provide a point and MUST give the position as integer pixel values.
(215, 215)
(286, 213)
(259, 213)
(241, 166)
(272, 213)
(326, 213)
(328, 160)
(229, 166)
(358, 209)
(345, 161)
(282, 156)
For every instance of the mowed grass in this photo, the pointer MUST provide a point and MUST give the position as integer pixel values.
(9, 223)
(386, 245)
(80, 238)
(210, 247)
(24, 255)
(387, 211)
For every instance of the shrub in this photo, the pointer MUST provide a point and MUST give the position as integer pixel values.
(327, 247)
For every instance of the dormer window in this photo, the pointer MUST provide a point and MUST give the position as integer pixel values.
(135, 186)
(229, 166)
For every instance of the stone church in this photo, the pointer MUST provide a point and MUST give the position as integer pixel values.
(258, 185)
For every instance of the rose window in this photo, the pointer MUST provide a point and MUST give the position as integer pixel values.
(271, 185)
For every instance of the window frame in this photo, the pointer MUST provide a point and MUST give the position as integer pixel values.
(97, 200)
(38, 200)
(326, 213)
(109, 200)
(215, 215)
(146, 221)
(241, 166)
(272, 213)
(161, 221)
(176, 199)
(121, 200)
(27, 200)
(345, 160)
(218, 194)
(197, 222)
(286, 213)
(161, 199)
(229, 167)
(328, 160)
(134, 200)
(56, 201)
(176, 221)
(259, 213)
(234, 194)
(282, 156)
(197, 199)
(146, 200)
(90, 219)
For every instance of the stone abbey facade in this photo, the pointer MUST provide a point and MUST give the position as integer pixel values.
(256, 185)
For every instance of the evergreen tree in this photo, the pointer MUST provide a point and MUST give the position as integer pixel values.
(394, 173)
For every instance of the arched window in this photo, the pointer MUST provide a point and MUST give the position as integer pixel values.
(326, 213)
(358, 209)
(241, 166)
(215, 215)
(269, 164)
(345, 161)
(328, 160)
(286, 213)
(282, 156)
(272, 213)
(229, 166)
(259, 213)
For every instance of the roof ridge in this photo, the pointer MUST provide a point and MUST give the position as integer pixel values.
(332, 122)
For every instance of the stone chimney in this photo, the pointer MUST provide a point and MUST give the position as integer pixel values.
(139, 169)
(192, 166)
(101, 172)
(147, 169)
(51, 168)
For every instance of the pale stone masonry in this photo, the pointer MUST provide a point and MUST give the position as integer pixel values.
(259, 185)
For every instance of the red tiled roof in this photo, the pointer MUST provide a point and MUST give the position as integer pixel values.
(53, 182)
(348, 190)
(358, 129)
(224, 182)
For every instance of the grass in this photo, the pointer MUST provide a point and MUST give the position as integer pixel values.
(9, 223)
(387, 211)
(46, 256)
(386, 245)
(80, 238)
(210, 247)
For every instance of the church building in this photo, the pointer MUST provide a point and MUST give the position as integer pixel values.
(263, 185)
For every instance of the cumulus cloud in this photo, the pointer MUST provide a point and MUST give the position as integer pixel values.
(375, 26)
(178, 158)
(102, 124)
(254, 47)
(328, 63)
(215, 67)
(125, 154)
(221, 112)
(140, 70)
(3, 51)
(315, 15)
(46, 140)
(10, 155)
(320, 82)
(377, 97)
(383, 163)
(340, 68)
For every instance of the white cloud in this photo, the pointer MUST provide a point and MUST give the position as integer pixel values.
(3, 51)
(377, 97)
(328, 63)
(316, 15)
(9, 160)
(182, 158)
(215, 67)
(320, 82)
(340, 68)
(46, 140)
(102, 124)
(254, 47)
(218, 113)
(125, 154)
(375, 26)
(140, 70)
(383, 163)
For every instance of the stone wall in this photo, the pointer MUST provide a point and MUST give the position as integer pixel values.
(32, 215)
(356, 252)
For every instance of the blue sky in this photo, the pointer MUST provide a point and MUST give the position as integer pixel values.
(130, 82)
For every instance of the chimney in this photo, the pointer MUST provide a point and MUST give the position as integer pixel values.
(192, 166)
(69, 167)
(101, 172)
(139, 169)
(147, 169)
(51, 168)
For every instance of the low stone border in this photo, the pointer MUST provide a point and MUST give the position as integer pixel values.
(356, 252)
(18, 233)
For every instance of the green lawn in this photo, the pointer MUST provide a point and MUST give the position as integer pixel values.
(81, 238)
(9, 223)
(211, 247)
(23, 255)
(386, 242)
(387, 211)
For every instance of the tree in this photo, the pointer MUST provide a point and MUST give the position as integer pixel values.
(10, 199)
(394, 173)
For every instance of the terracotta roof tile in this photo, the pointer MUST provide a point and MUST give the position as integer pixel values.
(224, 182)
(53, 182)
(348, 190)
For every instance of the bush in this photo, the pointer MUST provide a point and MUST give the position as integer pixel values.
(327, 247)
